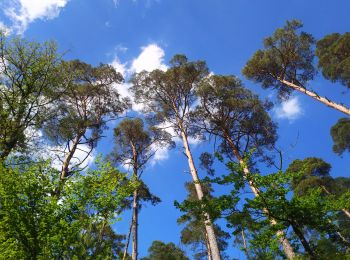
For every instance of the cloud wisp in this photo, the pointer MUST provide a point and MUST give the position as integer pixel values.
(23, 12)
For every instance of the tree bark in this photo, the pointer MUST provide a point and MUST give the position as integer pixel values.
(135, 227)
(67, 160)
(287, 247)
(214, 249)
(314, 95)
(208, 246)
(303, 241)
(128, 238)
(245, 245)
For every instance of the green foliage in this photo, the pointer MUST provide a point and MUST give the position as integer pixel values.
(35, 225)
(288, 55)
(333, 52)
(233, 113)
(303, 213)
(88, 102)
(135, 145)
(168, 95)
(31, 78)
(309, 173)
(160, 250)
(194, 233)
(340, 133)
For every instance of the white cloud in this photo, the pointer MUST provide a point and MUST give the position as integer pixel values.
(289, 109)
(151, 58)
(23, 12)
(119, 66)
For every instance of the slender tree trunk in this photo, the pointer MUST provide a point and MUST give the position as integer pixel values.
(69, 156)
(314, 95)
(208, 246)
(135, 227)
(346, 212)
(66, 162)
(215, 253)
(245, 245)
(128, 238)
(303, 241)
(287, 247)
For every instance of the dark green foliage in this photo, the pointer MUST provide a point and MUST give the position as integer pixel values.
(31, 78)
(233, 113)
(309, 173)
(207, 161)
(194, 233)
(89, 101)
(162, 251)
(287, 54)
(309, 213)
(135, 145)
(169, 94)
(34, 224)
(340, 133)
(333, 52)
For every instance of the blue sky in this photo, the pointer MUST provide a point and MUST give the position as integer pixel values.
(144, 34)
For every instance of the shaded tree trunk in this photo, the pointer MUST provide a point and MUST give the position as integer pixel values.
(303, 240)
(66, 162)
(128, 238)
(135, 227)
(287, 247)
(212, 242)
(245, 245)
(314, 95)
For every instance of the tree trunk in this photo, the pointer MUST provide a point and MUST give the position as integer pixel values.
(128, 238)
(135, 227)
(303, 241)
(214, 249)
(287, 247)
(208, 246)
(66, 162)
(245, 245)
(314, 95)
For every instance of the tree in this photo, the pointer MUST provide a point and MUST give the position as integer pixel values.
(312, 213)
(34, 224)
(85, 107)
(340, 133)
(169, 251)
(237, 116)
(286, 64)
(194, 233)
(315, 173)
(31, 78)
(333, 52)
(134, 146)
(168, 97)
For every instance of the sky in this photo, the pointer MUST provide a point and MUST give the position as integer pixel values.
(136, 35)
